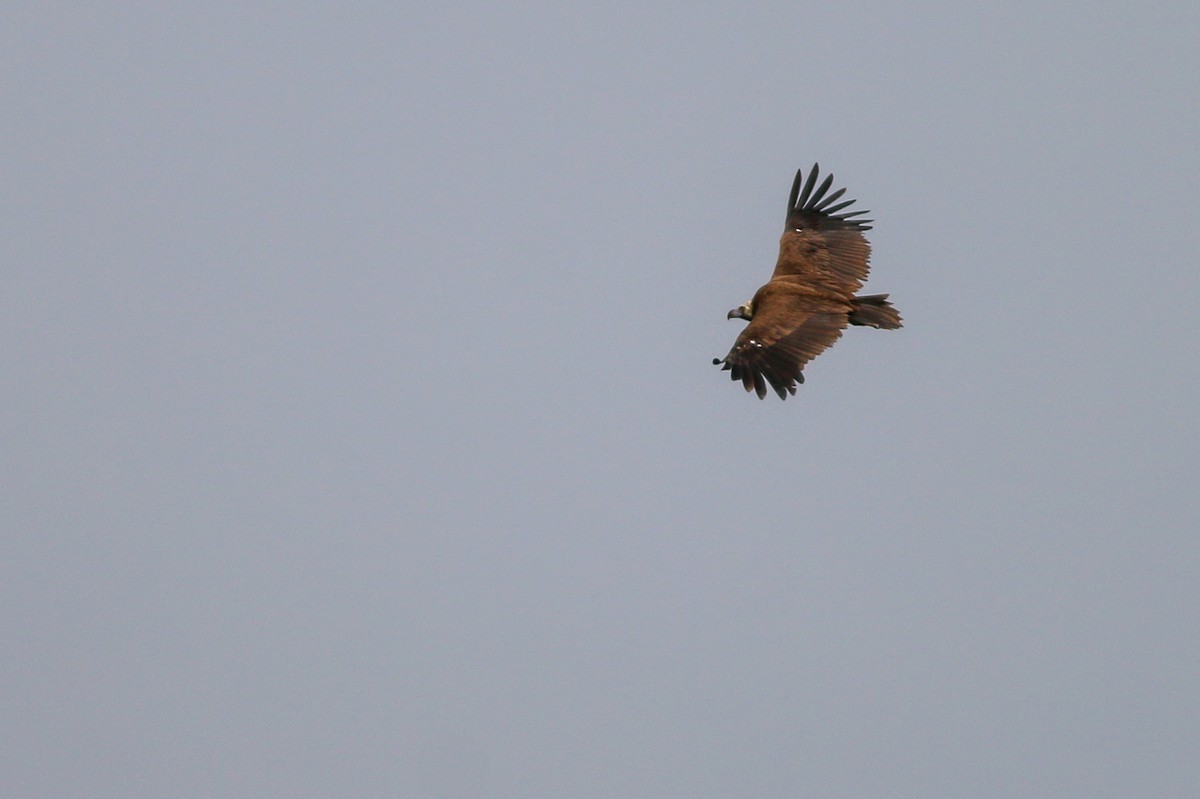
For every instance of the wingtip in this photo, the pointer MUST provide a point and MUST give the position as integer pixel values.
(808, 187)
(816, 204)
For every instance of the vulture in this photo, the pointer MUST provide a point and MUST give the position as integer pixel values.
(811, 296)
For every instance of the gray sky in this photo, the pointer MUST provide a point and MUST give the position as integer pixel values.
(361, 437)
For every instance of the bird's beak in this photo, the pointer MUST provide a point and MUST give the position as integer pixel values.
(736, 313)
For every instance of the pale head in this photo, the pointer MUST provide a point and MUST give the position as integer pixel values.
(743, 311)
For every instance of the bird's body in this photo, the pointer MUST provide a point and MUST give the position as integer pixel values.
(802, 310)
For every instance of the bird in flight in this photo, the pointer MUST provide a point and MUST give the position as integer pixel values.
(810, 298)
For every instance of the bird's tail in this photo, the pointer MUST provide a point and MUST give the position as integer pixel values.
(874, 310)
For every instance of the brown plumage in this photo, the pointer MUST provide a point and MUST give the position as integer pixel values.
(823, 261)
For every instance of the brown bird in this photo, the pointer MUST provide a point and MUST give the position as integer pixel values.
(810, 298)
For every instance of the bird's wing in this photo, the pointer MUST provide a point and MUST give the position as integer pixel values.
(820, 247)
(786, 333)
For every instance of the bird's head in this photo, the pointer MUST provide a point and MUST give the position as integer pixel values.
(743, 311)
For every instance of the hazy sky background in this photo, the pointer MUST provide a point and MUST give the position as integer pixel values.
(361, 437)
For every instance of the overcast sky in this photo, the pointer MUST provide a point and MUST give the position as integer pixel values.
(361, 437)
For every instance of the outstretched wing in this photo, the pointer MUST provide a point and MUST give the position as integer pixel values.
(788, 331)
(820, 247)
